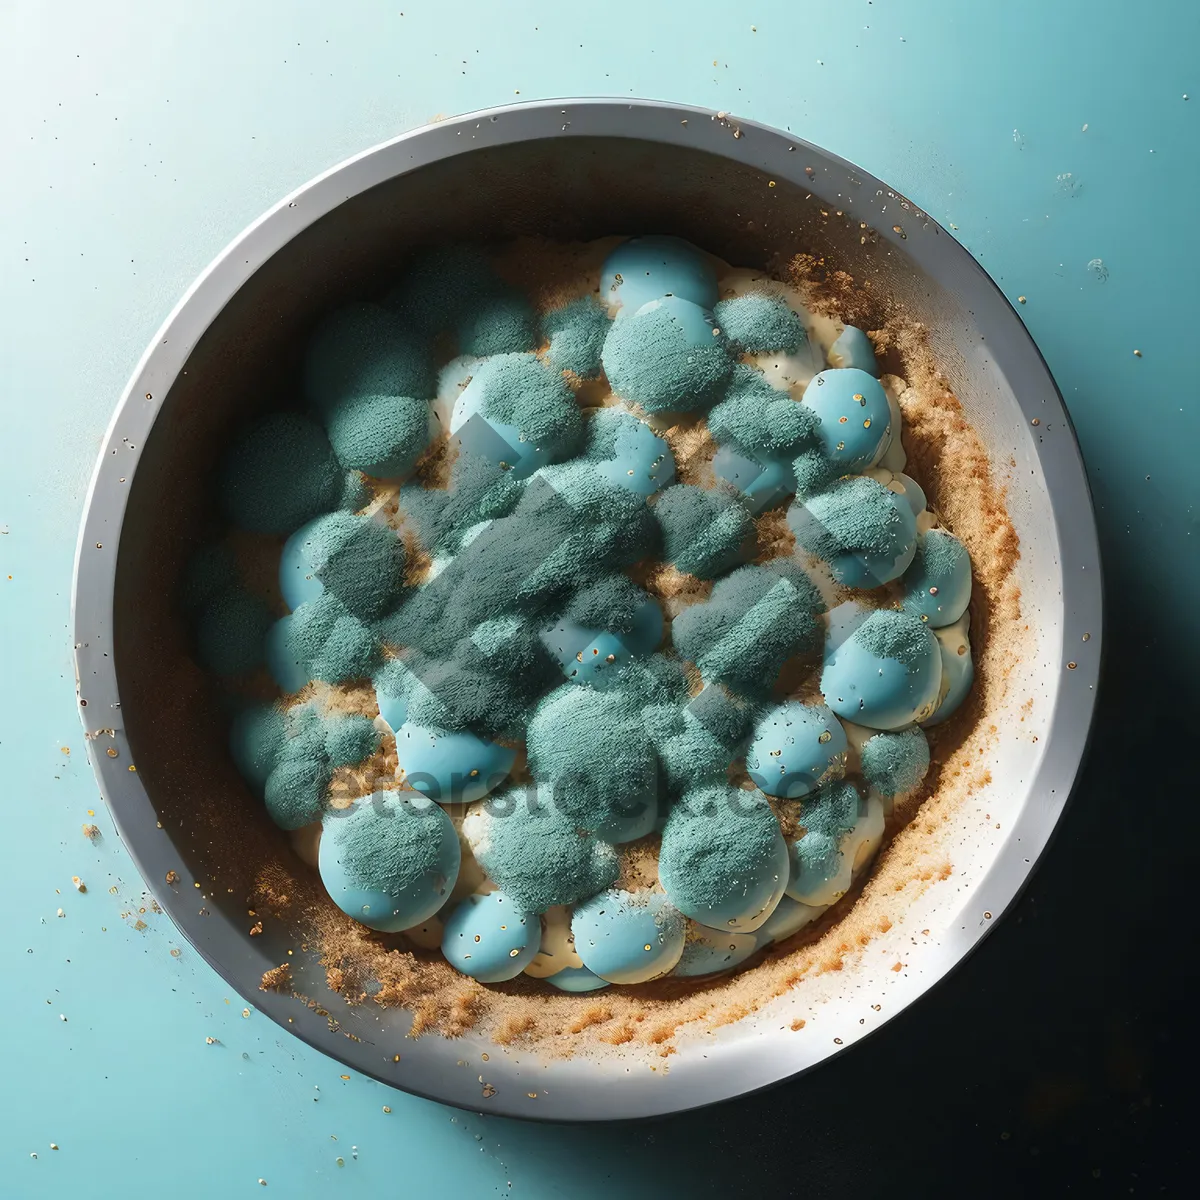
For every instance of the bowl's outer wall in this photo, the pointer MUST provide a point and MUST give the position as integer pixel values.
(569, 170)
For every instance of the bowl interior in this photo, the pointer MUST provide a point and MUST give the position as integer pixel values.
(755, 211)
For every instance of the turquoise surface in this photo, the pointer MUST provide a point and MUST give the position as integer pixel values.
(138, 142)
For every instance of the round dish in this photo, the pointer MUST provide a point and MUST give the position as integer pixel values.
(574, 169)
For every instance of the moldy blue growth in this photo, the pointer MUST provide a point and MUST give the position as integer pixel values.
(358, 560)
(759, 322)
(723, 860)
(486, 688)
(295, 791)
(758, 418)
(755, 619)
(667, 356)
(289, 757)
(627, 451)
(704, 531)
(885, 674)
(896, 763)
(697, 740)
(501, 323)
(529, 406)
(535, 854)
(356, 492)
(377, 434)
(611, 602)
(827, 817)
(256, 742)
(390, 861)
(480, 490)
(866, 533)
(231, 631)
(576, 334)
(592, 752)
(364, 350)
(280, 473)
(326, 641)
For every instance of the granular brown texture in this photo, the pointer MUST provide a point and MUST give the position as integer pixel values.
(951, 462)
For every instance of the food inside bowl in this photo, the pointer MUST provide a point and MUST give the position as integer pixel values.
(584, 621)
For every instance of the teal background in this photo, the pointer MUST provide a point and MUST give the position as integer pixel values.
(137, 139)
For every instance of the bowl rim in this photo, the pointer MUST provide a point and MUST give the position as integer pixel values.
(752, 144)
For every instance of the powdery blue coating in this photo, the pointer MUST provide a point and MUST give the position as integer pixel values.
(501, 323)
(278, 474)
(569, 526)
(389, 861)
(709, 951)
(489, 938)
(853, 417)
(295, 791)
(359, 560)
(937, 584)
(828, 817)
(391, 693)
(796, 748)
(256, 742)
(762, 480)
(886, 674)
(597, 657)
(866, 533)
(759, 419)
(646, 268)
(577, 980)
(853, 348)
(350, 740)
(723, 860)
(615, 603)
(517, 392)
(487, 688)
(440, 286)
(321, 640)
(231, 632)
(377, 434)
(363, 349)
(628, 937)
(697, 741)
(755, 620)
(704, 531)
(576, 334)
(895, 763)
(537, 856)
(480, 490)
(356, 492)
(958, 672)
(591, 752)
(668, 357)
(760, 322)
(627, 452)
(451, 768)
